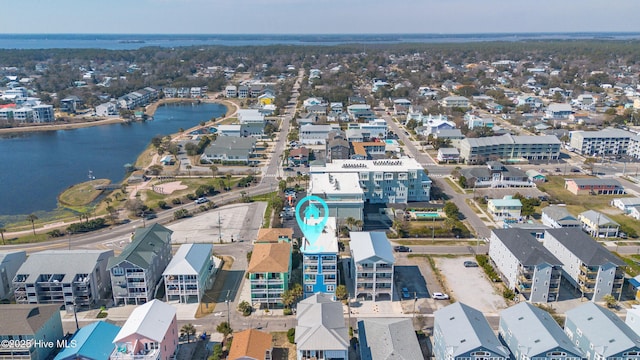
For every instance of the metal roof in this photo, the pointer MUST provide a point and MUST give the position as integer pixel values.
(151, 320)
(560, 214)
(147, 242)
(93, 341)
(321, 324)
(596, 217)
(372, 246)
(189, 259)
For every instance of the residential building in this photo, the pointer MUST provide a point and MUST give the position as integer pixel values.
(372, 259)
(360, 111)
(593, 186)
(243, 92)
(447, 155)
(299, 156)
(70, 104)
(535, 176)
(598, 224)
(311, 134)
(251, 344)
(510, 148)
(274, 235)
(505, 209)
(92, 342)
(588, 266)
(246, 116)
(10, 262)
(377, 128)
(189, 274)
(341, 192)
(607, 142)
(495, 175)
(455, 101)
(368, 150)
(107, 109)
(558, 111)
(532, 101)
(536, 230)
(231, 91)
(401, 106)
(525, 264)
(196, 92)
(23, 115)
(150, 333)
(321, 333)
(135, 273)
(633, 318)
(32, 323)
(531, 333)
(170, 92)
(269, 271)
(556, 216)
(601, 334)
(230, 149)
(474, 121)
(320, 261)
(65, 277)
(43, 113)
(626, 204)
(461, 332)
(313, 101)
(452, 137)
(384, 181)
(388, 338)
(435, 123)
(234, 130)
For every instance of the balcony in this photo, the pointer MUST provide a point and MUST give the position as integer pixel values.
(583, 278)
(142, 355)
(589, 271)
(311, 269)
(135, 275)
(524, 279)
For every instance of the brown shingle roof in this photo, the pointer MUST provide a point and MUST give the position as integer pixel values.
(270, 257)
(25, 319)
(250, 343)
(273, 234)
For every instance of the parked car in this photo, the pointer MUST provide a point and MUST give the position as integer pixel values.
(575, 170)
(440, 296)
(288, 169)
(558, 170)
(202, 200)
(405, 293)
(402, 248)
(470, 264)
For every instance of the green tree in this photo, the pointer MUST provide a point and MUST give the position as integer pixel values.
(341, 292)
(411, 124)
(245, 308)
(224, 328)
(214, 170)
(2, 231)
(610, 300)
(189, 169)
(451, 210)
(188, 330)
(32, 218)
(350, 221)
(291, 295)
(462, 181)
(291, 335)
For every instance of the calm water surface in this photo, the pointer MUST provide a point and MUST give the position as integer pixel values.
(36, 167)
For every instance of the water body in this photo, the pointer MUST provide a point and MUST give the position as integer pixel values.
(36, 167)
(136, 41)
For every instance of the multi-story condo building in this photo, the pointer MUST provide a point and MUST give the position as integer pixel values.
(633, 318)
(320, 261)
(25, 327)
(68, 277)
(601, 334)
(269, 271)
(377, 128)
(510, 148)
(461, 332)
(591, 268)
(372, 259)
(311, 134)
(455, 101)
(531, 333)
(43, 113)
(150, 333)
(231, 91)
(526, 265)
(321, 333)
(557, 217)
(607, 142)
(385, 181)
(10, 262)
(337, 146)
(189, 274)
(136, 272)
(341, 192)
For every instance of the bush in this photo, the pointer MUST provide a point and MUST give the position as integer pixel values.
(484, 262)
(102, 315)
(508, 294)
(90, 225)
(162, 204)
(176, 201)
(217, 352)
(291, 335)
(245, 308)
(182, 213)
(287, 311)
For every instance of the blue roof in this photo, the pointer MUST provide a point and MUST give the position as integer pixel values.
(635, 282)
(94, 342)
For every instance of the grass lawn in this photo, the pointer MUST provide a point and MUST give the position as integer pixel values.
(82, 194)
(454, 186)
(145, 157)
(473, 206)
(633, 268)
(228, 121)
(576, 204)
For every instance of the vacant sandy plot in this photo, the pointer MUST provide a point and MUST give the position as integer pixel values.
(168, 188)
(470, 285)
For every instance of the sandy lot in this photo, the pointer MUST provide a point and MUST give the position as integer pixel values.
(470, 285)
(168, 188)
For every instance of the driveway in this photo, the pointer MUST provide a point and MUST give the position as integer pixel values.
(470, 285)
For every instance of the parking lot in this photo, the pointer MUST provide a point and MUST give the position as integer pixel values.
(469, 284)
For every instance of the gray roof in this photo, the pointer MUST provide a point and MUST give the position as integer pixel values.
(633, 201)
(189, 259)
(595, 181)
(483, 172)
(388, 339)
(465, 328)
(449, 151)
(231, 145)
(512, 139)
(25, 319)
(536, 331)
(147, 242)
(321, 325)
(372, 246)
(598, 217)
(525, 247)
(448, 133)
(604, 329)
(605, 133)
(65, 262)
(560, 214)
(583, 246)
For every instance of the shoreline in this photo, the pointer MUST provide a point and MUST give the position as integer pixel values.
(150, 110)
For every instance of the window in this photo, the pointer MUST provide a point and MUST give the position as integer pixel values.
(117, 271)
(331, 288)
(308, 288)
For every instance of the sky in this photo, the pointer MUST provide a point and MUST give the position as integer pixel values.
(317, 16)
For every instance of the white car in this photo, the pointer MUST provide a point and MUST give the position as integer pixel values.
(202, 200)
(440, 296)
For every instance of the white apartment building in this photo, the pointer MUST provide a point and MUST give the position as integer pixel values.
(231, 91)
(341, 192)
(10, 262)
(605, 142)
(591, 268)
(455, 101)
(43, 113)
(246, 116)
(189, 274)
(525, 264)
(377, 128)
(320, 261)
(384, 181)
(510, 148)
(372, 259)
(311, 134)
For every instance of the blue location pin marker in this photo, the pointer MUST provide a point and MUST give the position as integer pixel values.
(312, 223)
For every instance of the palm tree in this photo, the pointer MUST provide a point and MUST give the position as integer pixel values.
(359, 224)
(188, 330)
(221, 184)
(228, 181)
(189, 169)
(33, 218)
(214, 170)
(350, 221)
(2, 231)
